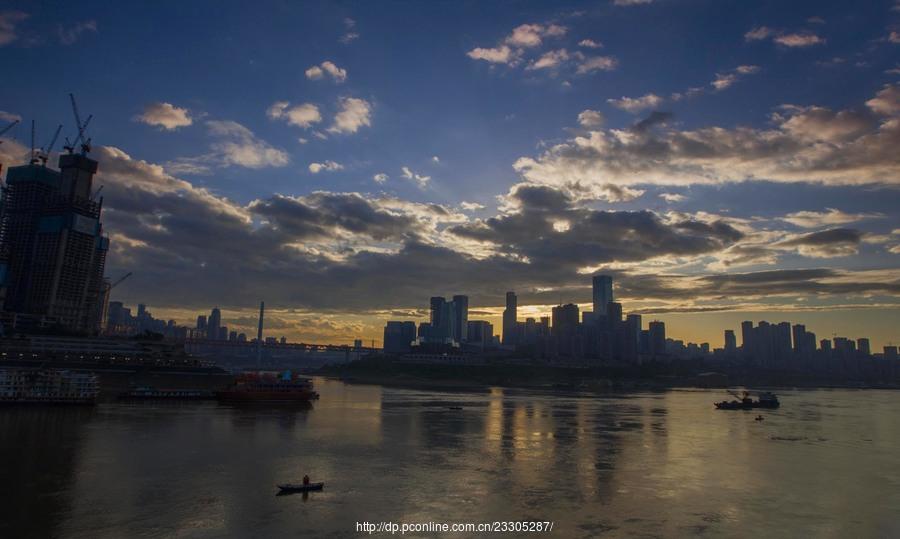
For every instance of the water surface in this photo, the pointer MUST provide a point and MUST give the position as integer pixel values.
(652, 465)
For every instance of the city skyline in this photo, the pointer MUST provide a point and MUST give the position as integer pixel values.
(553, 144)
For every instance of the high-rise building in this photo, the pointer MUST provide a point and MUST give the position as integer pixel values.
(747, 338)
(52, 246)
(799, 332)
(398, 337)
(730, 341)
(863, 346)
(510, 314)
(565, 320)
(437, 304)
(602, 293)
(461, 318)
(201, 322)
(213, 324)
(480, 333)
(657, 337)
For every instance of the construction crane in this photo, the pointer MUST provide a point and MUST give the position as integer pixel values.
(82, 130)
(7, 128)
(119, 280)
(44, 154)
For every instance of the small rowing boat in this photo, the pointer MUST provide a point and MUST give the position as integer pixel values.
(300, 487)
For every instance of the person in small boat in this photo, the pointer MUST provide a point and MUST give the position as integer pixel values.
(305, 480)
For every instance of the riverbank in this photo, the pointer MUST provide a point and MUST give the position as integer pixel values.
(596, 379)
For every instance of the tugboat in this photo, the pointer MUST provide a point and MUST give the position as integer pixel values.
(745, 402)
(269, 387)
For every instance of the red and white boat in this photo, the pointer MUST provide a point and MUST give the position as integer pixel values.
(268, 387)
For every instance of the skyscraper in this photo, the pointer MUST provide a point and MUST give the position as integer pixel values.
(436, 304)
(603, 293)
(461, 318)
(657, 337)
(398, 337)
(510, 314)
(52, 247)
(213, 324)
(730, 341)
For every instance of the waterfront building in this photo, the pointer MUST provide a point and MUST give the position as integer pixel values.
(52, 245)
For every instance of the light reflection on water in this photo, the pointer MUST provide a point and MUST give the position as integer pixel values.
(655, 464)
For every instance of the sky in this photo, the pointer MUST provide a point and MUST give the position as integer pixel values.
(345, 161)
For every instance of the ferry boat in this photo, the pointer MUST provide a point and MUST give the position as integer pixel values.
(47, 386)
(269, 387)
(149, 393)
(745, 402)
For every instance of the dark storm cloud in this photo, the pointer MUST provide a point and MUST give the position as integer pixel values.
(798, 282)
(319, 214)
(188, 248)
(827, 237)
(551, 232)
(655, 118)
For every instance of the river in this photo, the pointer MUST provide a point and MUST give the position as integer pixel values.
(649, 464)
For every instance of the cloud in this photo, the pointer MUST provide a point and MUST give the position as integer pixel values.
(631, 2)
(590, 118)
(830, 243)
(832, 216)
(9, 20)
(471, 206)
(530, 35)
(805, 144)
(596, 63)
(655, 118)
(327, 166)
(350, 35)
(725, 80)
(435, 159)
(799, 40)
(786, 39)
(353, 114)
(529, 231)
(887, 101)
(327, 67)
(526, 40)
(165, 115)
(234, 144)
(672, 197)
(421, 180)
(69, 34)
(636, 104)
(759, 33)
(496, 55)
(303, 115)
(894, 37)
(510, 49)
(9, 117)
(381, 177)
(550, 60)
(328, 253)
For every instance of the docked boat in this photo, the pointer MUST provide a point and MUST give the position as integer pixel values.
(272, 387)
(300, 487)
(744, 401)
(149, 393)
(47, 386)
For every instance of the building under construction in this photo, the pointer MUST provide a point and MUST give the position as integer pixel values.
(52, 247)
